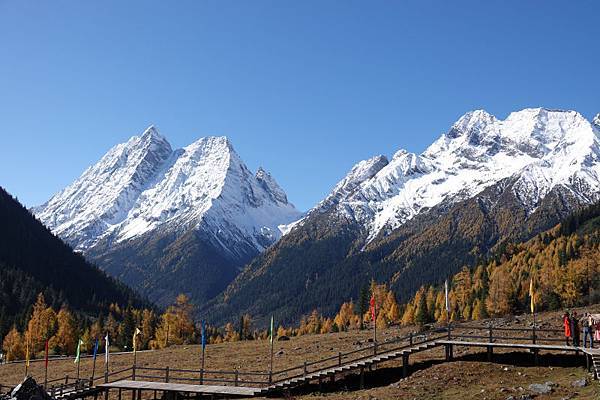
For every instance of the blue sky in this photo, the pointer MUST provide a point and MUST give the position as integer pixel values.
(305, 89)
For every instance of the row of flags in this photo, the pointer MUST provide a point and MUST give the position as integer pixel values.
(372, 310)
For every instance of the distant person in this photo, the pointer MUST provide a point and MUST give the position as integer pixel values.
(567, 326)
(587, 323)
(597, 329)
(575, 328)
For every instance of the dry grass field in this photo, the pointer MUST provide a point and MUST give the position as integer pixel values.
(468, 376)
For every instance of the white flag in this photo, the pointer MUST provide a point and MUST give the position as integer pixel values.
(447, 300)
(107, 345)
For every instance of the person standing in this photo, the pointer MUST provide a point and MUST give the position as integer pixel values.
(587, 323)
(567, 326)
(597, 330)
(575, 329)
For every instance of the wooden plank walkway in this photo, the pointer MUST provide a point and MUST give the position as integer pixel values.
(181, 388)
(528, 346)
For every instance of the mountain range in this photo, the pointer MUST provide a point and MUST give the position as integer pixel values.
(170, 221)
(195, 220)
(415, 219)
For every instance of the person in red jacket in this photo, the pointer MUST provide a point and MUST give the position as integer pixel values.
(567, 325)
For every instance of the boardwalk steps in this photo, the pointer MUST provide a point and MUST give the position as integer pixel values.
(596, 364)
(366, 362)
(238, 383)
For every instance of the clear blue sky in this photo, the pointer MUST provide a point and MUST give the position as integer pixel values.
(305, 89)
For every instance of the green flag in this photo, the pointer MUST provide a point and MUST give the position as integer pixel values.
(78, 351)
(272, 326)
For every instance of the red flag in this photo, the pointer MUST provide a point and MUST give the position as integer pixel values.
(372, 307)
(46, 354)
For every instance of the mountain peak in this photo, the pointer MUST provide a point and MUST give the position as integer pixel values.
(475, 120)
(270, 185)
(596, 121)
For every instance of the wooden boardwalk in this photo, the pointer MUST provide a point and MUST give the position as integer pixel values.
(182, 388)
(231, 384)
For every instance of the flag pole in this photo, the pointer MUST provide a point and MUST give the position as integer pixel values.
(94, 362)
(46, 367)
(271, 362)
(106, 357)
(203, 345)
(26, 355)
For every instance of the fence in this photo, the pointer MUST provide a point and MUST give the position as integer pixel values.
(461, 332)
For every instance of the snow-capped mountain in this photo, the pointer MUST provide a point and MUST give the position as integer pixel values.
(416, 219)
(143, 185)
(169, 221)
(541, 148)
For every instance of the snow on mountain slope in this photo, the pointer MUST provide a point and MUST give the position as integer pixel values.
(542, 148)
(106, 191)
(143, 185)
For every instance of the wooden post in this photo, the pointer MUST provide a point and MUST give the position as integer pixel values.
(339, 359)
(167, 374)
(236, 377)
(534, 329)
(202, 365)
(133, 372)
(490, 352)
(106, 376)
(305, 369)
(491, 336)
(320, 383)
(410, 338)
(362, 377)
(451, 352)
(120, 393)
(588, 365)
(106, 394)
(404, 365)
(447, 349)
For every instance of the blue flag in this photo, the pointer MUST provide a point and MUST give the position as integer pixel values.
(95, 349)
(203, 331)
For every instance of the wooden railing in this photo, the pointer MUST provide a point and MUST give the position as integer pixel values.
(373, 349)
(465, 332)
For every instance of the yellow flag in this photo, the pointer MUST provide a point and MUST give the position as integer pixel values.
(27, 350)
(137, 332)
(531, 295)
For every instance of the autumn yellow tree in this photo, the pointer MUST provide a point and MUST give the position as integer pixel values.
(13, 345)
(41, 326)
(176, 325)
(66, 337)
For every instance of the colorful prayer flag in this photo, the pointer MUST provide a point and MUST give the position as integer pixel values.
(135, 334)
(106, 351)
(372, 308)
(78, 354)
(27, 350)
(532, 296)
(447, 296)
(95, 349)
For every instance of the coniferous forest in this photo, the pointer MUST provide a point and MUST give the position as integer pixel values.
(33, 261)
(37, 303)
